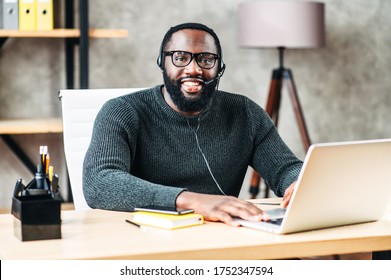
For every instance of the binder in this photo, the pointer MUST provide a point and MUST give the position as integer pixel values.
(44, 14)
(27, 15)
(10, 14)
(1, 14)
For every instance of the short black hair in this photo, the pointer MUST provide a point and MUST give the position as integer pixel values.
(189, 25)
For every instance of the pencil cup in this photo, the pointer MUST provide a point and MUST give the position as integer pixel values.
(37, 214)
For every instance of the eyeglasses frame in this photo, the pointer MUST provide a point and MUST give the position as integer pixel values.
(193, 55)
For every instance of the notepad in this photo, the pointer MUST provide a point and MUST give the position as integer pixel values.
(166, 221)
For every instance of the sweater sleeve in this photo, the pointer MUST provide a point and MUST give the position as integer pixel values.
(272, 158)
(107, 180)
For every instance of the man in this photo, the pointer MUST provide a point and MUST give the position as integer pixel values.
(185, 143)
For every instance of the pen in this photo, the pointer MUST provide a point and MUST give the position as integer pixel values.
(47, 162)
(51, 169)
(45, 155)
(132, 223)
(43, 151)
(54, 184)
(39, 178)
(42, 156)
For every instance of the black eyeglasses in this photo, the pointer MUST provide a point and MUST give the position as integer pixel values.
(205, 60)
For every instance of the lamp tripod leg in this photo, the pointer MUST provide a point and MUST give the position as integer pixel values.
(272, 109)
(288, 78)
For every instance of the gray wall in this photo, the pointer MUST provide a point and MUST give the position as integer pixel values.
(345, 89)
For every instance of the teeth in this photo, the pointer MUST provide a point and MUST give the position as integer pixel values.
(192, 83)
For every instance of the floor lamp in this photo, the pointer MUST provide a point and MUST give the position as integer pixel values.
(281, 24)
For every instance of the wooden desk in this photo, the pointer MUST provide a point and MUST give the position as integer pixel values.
(97, 234)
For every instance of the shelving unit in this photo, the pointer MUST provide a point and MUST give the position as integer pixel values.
(30, 126)
(73, 37)
(10, 127)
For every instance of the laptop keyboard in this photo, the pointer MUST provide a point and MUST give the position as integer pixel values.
(277, 221)
(276, 213)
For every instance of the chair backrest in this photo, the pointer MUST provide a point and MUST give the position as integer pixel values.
(79, 110)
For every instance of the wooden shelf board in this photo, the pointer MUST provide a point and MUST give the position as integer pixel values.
(65, 33)
(30, 126)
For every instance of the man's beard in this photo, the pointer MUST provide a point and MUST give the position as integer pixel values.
(186, 104)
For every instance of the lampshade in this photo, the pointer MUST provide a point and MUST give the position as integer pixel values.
(289, 24)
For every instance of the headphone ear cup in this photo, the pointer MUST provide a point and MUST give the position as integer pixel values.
(159, 61)
(222, 65)
(222, 69)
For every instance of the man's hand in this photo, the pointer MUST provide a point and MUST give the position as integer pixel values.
(287, 195)
(220, 208)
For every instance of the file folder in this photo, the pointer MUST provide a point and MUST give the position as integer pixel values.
(1, 14)
(10, 14)
(27, 15)
(44, 14)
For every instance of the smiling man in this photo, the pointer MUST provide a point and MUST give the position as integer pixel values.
(185, 143)
(189, 86)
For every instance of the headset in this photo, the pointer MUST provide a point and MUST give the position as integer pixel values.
(159, 60)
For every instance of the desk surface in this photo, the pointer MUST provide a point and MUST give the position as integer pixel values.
(98, 234)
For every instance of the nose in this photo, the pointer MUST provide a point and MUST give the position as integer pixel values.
(193, 68)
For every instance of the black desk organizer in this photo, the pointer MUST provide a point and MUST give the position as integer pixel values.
(37, 209)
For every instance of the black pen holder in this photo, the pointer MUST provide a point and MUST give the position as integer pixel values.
(37, 213)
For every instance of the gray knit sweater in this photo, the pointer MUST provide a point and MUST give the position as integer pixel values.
(142, 152)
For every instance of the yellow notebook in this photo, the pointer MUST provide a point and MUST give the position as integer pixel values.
(166, 221)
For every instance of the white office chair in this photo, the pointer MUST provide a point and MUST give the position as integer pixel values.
(79, 110)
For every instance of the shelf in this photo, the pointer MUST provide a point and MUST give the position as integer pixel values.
(30, 126)
(65, 33)
(73, 37)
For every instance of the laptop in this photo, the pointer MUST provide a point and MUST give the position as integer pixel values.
(339, 184)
